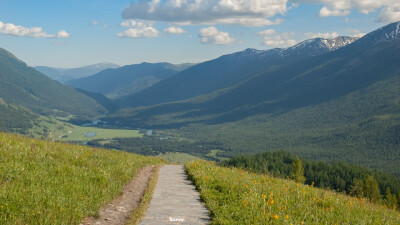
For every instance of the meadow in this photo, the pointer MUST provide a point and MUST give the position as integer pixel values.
(44, 182)
(236, 196)
(77, 133)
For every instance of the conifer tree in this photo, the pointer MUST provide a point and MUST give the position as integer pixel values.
(371, 189)
(297, 172)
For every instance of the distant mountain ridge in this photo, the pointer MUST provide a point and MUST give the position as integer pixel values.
(228, 70)
(127, 80)
(65, 74)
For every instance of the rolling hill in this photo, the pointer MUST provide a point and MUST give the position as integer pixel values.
(127, 80)
(228, 70)
(45, 182)
(341, 105)
(23, 86)
(65, 74)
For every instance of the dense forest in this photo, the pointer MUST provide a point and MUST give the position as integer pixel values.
(15, 119)
(342, 177)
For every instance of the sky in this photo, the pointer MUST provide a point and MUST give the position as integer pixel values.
(74, 33)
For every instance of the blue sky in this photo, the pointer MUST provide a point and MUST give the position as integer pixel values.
(72, 33)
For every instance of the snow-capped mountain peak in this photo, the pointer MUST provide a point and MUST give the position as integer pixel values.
(317, 46)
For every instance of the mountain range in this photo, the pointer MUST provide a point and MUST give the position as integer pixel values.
(339, 104)
(127, 80)
(228, 70)
(65, 74)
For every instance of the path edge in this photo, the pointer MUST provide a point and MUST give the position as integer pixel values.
(140, 211)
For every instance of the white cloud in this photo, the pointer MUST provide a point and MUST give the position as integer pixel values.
(322, 35)
(390, 14)
(95, 23)
(212, 35)
(324, 12)
(174, 30)
(105, 26)
(138, 29)
(272, 38)
(62, 34)
(35, 32)
(356, 33)
(390, 9)
(240, 12)
(139, 32)
(134, 23)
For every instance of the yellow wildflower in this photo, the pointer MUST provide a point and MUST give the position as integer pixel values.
(275, 216)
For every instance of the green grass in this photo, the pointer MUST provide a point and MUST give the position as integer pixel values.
(177, 157)
(44, 182)
(235, 196)
(77, 133)
(213, 153)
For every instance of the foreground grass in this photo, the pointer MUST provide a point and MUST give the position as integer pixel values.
(53, 183)
(235, 196)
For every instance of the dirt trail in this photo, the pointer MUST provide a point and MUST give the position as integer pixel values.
(119, 210)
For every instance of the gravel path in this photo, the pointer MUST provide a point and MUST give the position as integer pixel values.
(175, 200)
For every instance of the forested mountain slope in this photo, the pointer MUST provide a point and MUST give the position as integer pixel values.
(228, 70)
(343, 105)
(24, 86)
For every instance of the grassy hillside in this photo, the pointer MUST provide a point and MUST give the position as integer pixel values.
(237, 197)
(338, 176)
(52, 183)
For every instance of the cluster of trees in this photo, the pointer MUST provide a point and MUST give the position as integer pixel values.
(15, 119)
(377, 186)
(154, 145)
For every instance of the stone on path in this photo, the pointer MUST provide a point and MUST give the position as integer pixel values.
(175, 200)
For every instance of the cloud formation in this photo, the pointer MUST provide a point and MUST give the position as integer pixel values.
(34, 32)
(241, 12)
(390, 8)
(273, 39)
(138, 29)
(322, 35)
(390, 14)
(325, 12)
(174, 30)
(212, 35)
(139, 32)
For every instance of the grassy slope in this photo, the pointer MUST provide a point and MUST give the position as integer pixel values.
(52, 183)
(238, 197)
